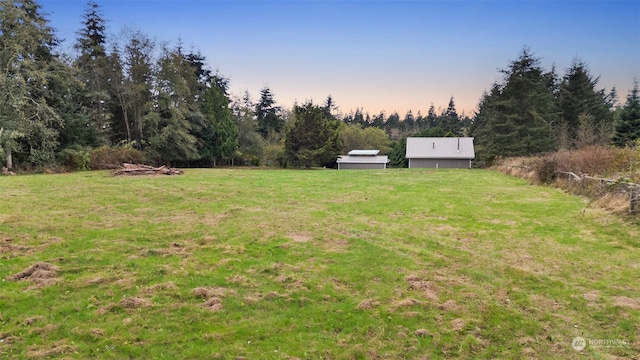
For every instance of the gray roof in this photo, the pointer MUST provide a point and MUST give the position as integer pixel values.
(363, 159)
(364, 152)
(440, 148)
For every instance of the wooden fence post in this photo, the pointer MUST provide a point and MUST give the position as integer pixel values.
(634, 199)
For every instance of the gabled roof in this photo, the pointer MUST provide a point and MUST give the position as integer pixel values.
(364, 152)
(349, 159)
(440, 148)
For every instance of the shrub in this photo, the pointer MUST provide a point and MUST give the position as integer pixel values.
(545, 170)
(273, 155)
(74, 159)
(107, 157)
(592, 160)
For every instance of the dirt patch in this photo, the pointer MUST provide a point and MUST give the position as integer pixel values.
(30, 320)
(450, 305)
(417, 283)
(8, 339)
(213, 295)
(40, 274)
(174, 249)
(58, 348)
(591, 296)
(630, 303)
(545, 303)
(154, 289)
(45, 330)
(368, 304)
(240, 280)
(301, 237)
(406, 303)
(8, 251)
(134, 303)
(213, 304)
(457, 324)
(209, 292)
(97, 333)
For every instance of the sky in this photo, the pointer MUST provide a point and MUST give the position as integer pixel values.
(390, 56)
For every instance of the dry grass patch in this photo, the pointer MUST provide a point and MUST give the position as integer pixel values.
(159, 288)
(627, 302)
(57, 348)
(591, 296)
(173, 249)
(301, 237)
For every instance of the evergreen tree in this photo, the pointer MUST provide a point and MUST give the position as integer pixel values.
(138, 83)
(93, 70)
(250, 143)
(392, 122)
(432, 117)
(312, 139)
(408, 122)
(267, 114)
(585, 113)
(221, 132)
(628, 125)
(516, 117)
(119, 88)
(397, 157)
(449, 121)
(170, 127)
(329, 107)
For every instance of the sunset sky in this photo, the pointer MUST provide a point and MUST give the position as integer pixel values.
(387, 56)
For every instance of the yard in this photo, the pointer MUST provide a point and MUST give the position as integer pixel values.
(321, 264)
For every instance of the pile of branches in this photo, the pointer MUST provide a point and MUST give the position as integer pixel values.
(137, 169)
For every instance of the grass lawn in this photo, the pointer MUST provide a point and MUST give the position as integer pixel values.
(322, 264)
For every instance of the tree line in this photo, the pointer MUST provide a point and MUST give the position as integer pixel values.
(134, 98)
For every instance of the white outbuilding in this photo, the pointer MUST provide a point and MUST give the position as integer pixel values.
(362, 159)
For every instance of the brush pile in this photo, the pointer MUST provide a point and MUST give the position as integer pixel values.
(137, 169)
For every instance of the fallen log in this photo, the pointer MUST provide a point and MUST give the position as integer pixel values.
(137, 169)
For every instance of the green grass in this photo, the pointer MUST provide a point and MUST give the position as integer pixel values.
(285, 264)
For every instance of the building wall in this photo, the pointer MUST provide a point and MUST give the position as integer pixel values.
(356, 166)
(440, 163)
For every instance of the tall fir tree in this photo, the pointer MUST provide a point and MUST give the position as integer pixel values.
(516, 117)
(221, 132)
(585, 112)
(268, 114)
(627, 129)
(93, 70)
(450, 121)
(170, 127)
